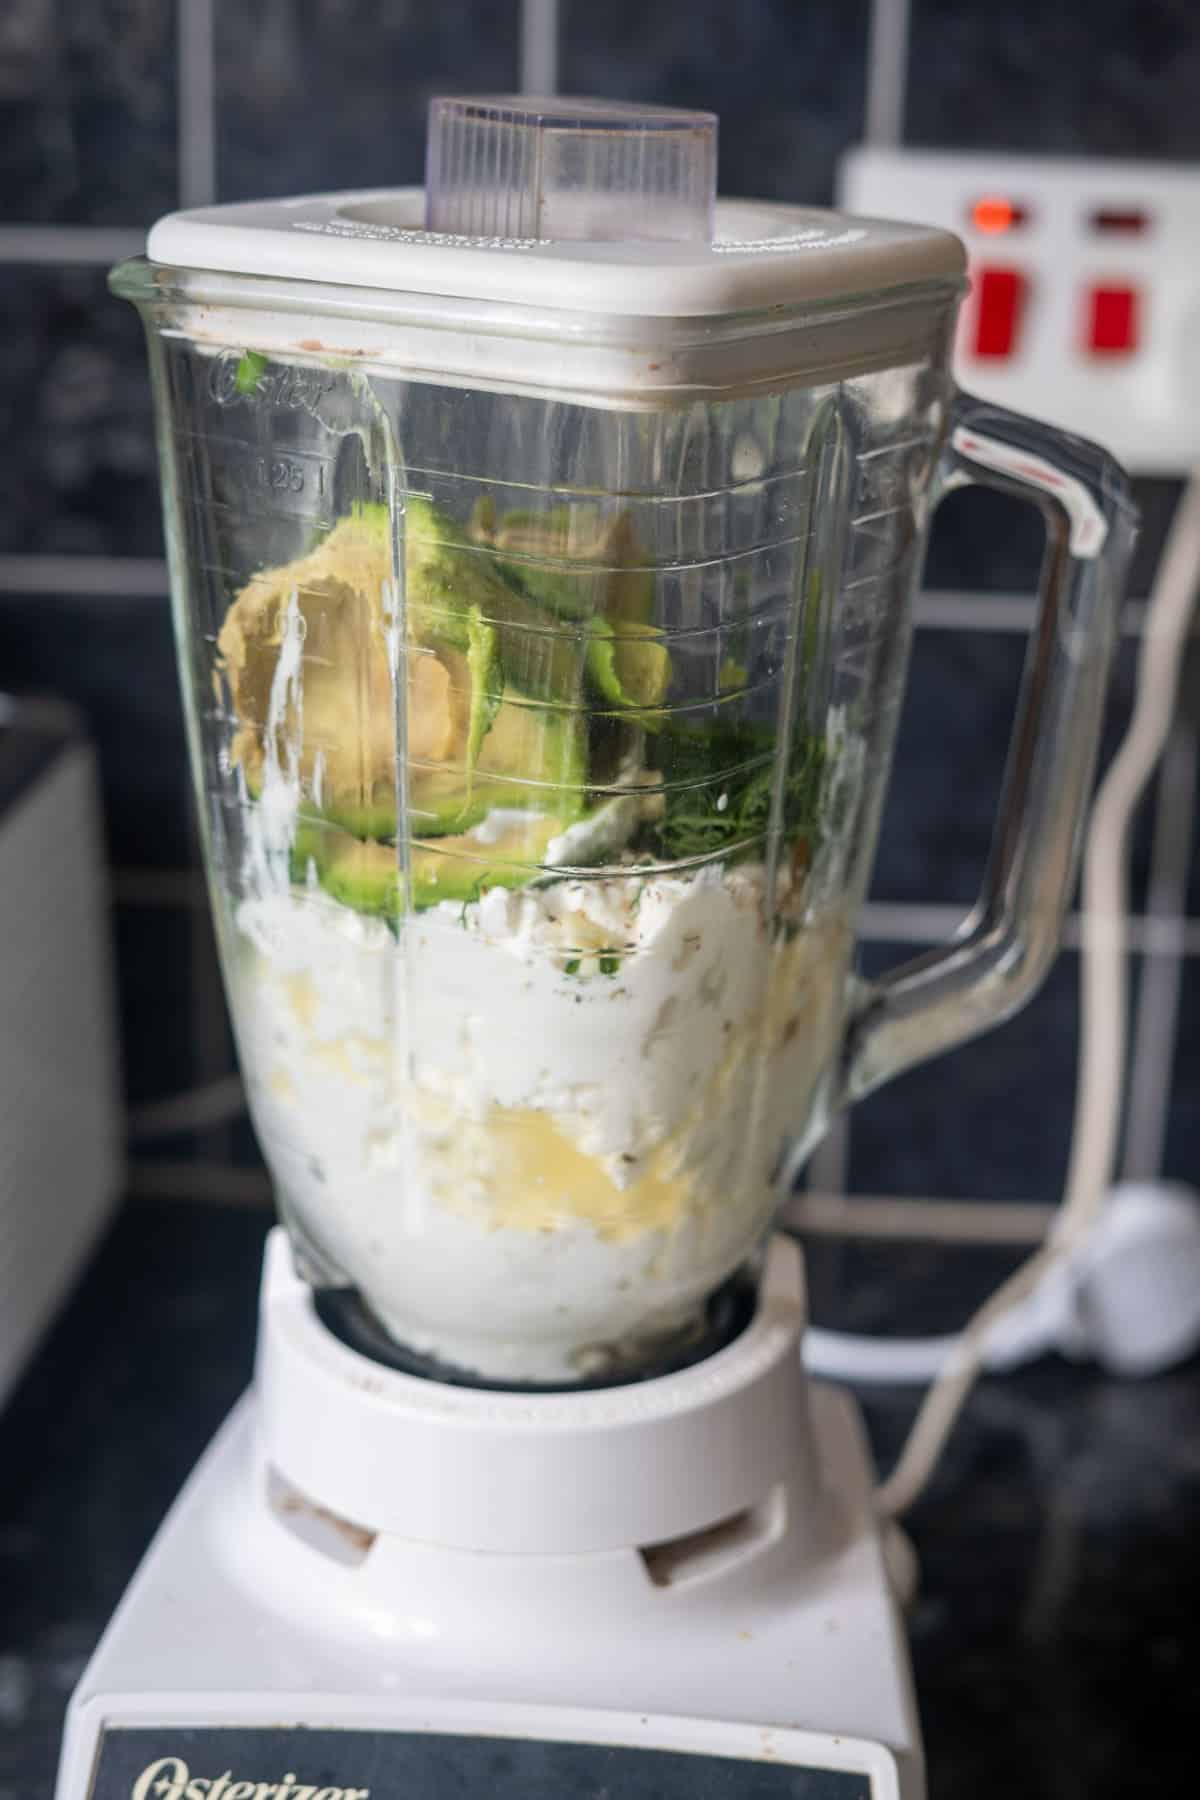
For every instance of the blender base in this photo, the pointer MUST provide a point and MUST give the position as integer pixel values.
(277, 1645)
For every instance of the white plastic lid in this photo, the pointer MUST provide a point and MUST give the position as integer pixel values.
(761, 256)
(519, 166)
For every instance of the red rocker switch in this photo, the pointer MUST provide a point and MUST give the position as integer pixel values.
(1112, 321)
(1000, 296)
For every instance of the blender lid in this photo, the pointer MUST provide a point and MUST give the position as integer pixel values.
(572, 205)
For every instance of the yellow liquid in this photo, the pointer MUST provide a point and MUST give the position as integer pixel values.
(540, 1180)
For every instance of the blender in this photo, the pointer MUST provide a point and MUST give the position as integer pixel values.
(542, 548)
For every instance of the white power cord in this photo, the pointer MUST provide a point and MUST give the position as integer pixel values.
(1071, 1295)
(1128, 1297)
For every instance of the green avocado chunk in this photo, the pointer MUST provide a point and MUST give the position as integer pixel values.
(367, 875)
(574, 561)
(540, 654)
(534, 758)
(476, 653)
(578, 564)
(631, 668)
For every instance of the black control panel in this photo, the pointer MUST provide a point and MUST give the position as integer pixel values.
(166, 1762)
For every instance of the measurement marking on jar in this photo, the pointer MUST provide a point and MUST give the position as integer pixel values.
(282, 474)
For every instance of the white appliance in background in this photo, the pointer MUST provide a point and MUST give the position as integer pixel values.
(1085, 303)
(60, 1132)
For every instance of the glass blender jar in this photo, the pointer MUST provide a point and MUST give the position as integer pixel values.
(543, 549)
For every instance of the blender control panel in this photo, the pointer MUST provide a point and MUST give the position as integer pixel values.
(288, 1763)
(1084, 307)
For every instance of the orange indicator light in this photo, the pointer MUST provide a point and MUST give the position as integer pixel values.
(993, 214)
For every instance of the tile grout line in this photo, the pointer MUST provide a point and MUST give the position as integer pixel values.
(80, 577)
(538, 72)
(1153, 1039)
(922, 923)
(913, 923)
(886, 72)
(931, 1218)
(195, 25)
(829, 1165)
(196, 122)
(880, 1216)
(69, 245)
(942, 609)
(967, 609)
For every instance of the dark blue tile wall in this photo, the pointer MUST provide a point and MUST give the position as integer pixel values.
(87, 111)
(957, 714)
(1181, 1159)
(949, 762)
(981, 539)
(1111, 78)
(899, 1289)
(155, 966)
(787, 80)
(77, 466)
(992, 1119)
(319, 95)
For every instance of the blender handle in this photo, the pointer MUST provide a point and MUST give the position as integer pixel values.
(1008, 942)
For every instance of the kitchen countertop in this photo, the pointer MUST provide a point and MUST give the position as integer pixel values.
(1056, 1636)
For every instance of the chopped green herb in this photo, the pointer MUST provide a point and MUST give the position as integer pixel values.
(572, 967)
(251, 366)
(719, 789)
(475, 894)
(609, 964)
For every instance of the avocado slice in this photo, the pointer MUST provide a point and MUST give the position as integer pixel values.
(572, 560)
(548, 556)
(359, 873)
(367, 875)
(630, 669)
(447, 570)
(343, 718)
(545, 746)
(471, 641)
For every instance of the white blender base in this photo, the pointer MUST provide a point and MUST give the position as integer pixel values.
(259, 1621)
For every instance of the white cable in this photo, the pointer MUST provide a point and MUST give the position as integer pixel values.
(1103, 1003)
(876, 1361)
(1127, 1296)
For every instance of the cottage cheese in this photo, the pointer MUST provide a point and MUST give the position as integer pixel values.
(539, 1130)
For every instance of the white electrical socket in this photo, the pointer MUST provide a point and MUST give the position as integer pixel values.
(1085, 302)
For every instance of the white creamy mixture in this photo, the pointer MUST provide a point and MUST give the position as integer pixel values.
(540, 1129)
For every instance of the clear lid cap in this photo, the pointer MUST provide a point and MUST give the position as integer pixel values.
(514, 166)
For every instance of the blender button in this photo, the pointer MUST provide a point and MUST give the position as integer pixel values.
(1000, 296)
(1112, 320)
